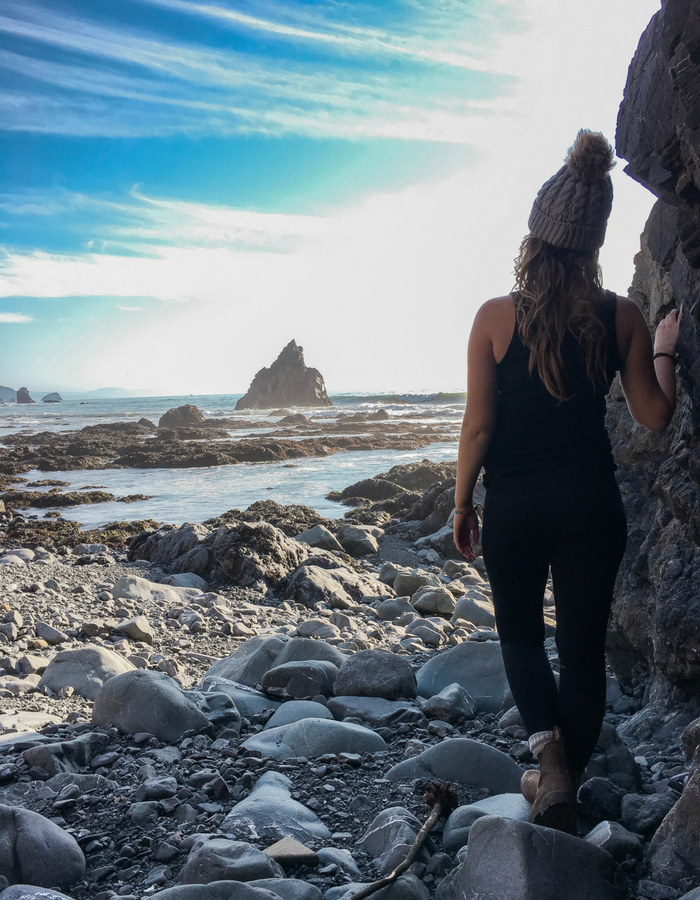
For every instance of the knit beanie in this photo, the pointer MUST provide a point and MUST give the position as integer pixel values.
(571, 209)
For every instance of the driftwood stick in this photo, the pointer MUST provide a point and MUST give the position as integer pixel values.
(442, 799)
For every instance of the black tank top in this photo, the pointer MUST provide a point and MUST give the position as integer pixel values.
(534, 432)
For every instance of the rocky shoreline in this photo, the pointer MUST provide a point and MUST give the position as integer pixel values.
(174, 708)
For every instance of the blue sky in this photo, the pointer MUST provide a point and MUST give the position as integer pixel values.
(185, 186)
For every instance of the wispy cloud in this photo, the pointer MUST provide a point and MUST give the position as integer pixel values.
(129, 308)
(14, 318)
(69, 74)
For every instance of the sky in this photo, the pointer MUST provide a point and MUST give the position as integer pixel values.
(187, 185)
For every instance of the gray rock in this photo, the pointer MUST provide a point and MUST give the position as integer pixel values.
(270, 814)
(312, 586)
(674, 853)
(477, 667)
(618, 842)
(249, 702)
(376, 673)
(407, 887)
(35, 851)
(455, 834)
(643, 813)
(183, 549)
(314, 737)
(465, 761)
(376, 711)
(148, 701)
(341, 858)
(66, 756)
(388, 610)
(31, 892)
(300, 680)
(453, 704)
(407, 583)
(318, 628)
(85, 670)
(216, 890)
(599, 799)
(289, 888)
(49, 634)
(303, 648)
(138, 629)
(219, 859)
(320, 536)
(512, 860)
(431, 600)
(357, 540)
(186, 580)
(249, 662)
(142, 591)
(295, 711)
(612, 759)
(390, 836)
(476, 608)
(219, 708)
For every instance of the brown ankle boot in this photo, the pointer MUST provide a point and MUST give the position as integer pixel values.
(554, 805)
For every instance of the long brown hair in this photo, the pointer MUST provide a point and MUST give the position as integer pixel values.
(558, 291)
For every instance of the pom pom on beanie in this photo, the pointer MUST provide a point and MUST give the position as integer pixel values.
(591, 157)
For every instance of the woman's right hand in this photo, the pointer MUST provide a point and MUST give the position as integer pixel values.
(666, 336)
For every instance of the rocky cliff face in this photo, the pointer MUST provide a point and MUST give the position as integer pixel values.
(288, 382)
(23, 396)
(655, 628)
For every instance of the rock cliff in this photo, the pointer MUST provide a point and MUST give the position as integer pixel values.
(655, 628)
(7, 394)
(288, 382)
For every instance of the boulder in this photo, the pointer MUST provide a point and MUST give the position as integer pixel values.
(320, 536)
(477, 667)
(138, 629)
(298, 649)
(268, 813)
(643, 813)
(248, 701)
(146, 701)
(357, 540)
(616, 840)
(219, 859)
(453, 704)
(376, 673)
(216, 890)
(431, 600)
(288, 382)
(459, 823)
(388, 610)
(313, 738)
(318, 628)
(31, 892)
(249, 662)
(476, 608)
(33, 850)
(142, 591)
(289, 888)
(174, 548)
(312, 586)
(407, 583)
(181, 417)
(295, 711)
(85, 670)
(377, 712)
(255, 554)
(465, 761)
(66, 756)
(407, 887)
(512, 860)
(674, 853)
(300, 680)
(23, 396)
(390, 836)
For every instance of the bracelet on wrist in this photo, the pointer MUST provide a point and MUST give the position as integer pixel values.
(671, 356)
(472, 509)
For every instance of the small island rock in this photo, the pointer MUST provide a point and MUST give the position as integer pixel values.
(23, 396)
(288, 382)
(52, 398)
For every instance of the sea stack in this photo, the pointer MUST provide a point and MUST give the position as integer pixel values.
(288, 382)
(52, 398)
(23, 396)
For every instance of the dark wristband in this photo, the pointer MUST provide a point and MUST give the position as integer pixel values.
(670, 356)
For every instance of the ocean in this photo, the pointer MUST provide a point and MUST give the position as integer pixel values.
(193, 495)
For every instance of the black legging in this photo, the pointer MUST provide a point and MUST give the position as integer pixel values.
(575, 524)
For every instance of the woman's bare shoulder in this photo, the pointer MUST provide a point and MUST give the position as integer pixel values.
(496, 308)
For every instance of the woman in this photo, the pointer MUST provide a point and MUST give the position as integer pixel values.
(540, 362)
